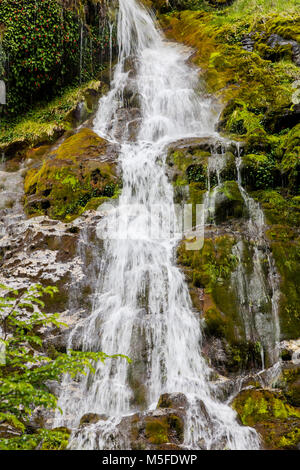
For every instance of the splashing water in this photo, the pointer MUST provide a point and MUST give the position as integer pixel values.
(142, 307)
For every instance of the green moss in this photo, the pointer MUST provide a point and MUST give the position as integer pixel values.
(231, 203)
(257, 92)
(290, 440)
(289, 382)
(290, 163)
(46, 122)
(279, 210)
(268, 412)
(157, 430)
(210, 268)
(287, 258)
(165, 429)
(71, 177)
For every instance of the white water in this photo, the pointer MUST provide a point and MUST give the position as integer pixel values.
(143, 308)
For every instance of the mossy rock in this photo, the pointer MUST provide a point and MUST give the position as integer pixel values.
(210, 269)
(287, 258)
(289, 383)
(77, 175)
(229, 202)
(290, 163)
(259, 172)
(164, 429)
(254, 90)
(57, 439)
(189, 163)
(278, 208)
(172, 400)
(270, 414)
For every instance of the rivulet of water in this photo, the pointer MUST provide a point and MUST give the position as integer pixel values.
(142, 307)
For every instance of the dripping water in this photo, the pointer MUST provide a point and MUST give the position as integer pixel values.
(261, 289)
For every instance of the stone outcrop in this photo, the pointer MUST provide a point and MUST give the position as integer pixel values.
(77, 175)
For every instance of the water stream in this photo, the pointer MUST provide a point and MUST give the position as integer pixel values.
(142, 306)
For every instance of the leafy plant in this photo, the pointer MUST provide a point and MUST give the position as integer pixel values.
(48, 46)
(27, 366)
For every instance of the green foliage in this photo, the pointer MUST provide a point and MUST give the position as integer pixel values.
(259, 171)
(157, 430)
(42, 120)
(196, 174)
(44, 439)
(48, 47)
(27, 366)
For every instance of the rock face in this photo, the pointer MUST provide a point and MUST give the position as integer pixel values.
(80, 172)
(273, 417)
(208, 171)
(49, 252)
(161, 429)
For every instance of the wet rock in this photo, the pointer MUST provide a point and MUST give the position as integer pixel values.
(160, 429)
(80, 169)
(289, 383)
(268, 412)
(49, 252)
(91, 418)
(177, 401)
(11, 189)
(276, 40)
(290, 351)
(87, 103)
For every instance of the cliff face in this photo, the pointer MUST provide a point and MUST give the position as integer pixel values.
(245, 281)
(249, 59)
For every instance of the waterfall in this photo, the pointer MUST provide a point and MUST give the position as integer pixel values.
(142, 306)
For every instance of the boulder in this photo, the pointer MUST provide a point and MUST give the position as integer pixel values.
(81, 169)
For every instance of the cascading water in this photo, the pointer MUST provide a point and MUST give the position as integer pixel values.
(142, 307)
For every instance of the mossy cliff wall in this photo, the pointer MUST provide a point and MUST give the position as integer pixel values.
(248, 55)
(255, 79)
(49, 44)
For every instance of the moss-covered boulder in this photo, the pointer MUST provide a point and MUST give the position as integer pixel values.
(269, 413)
(80, 172)
(162, 429)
